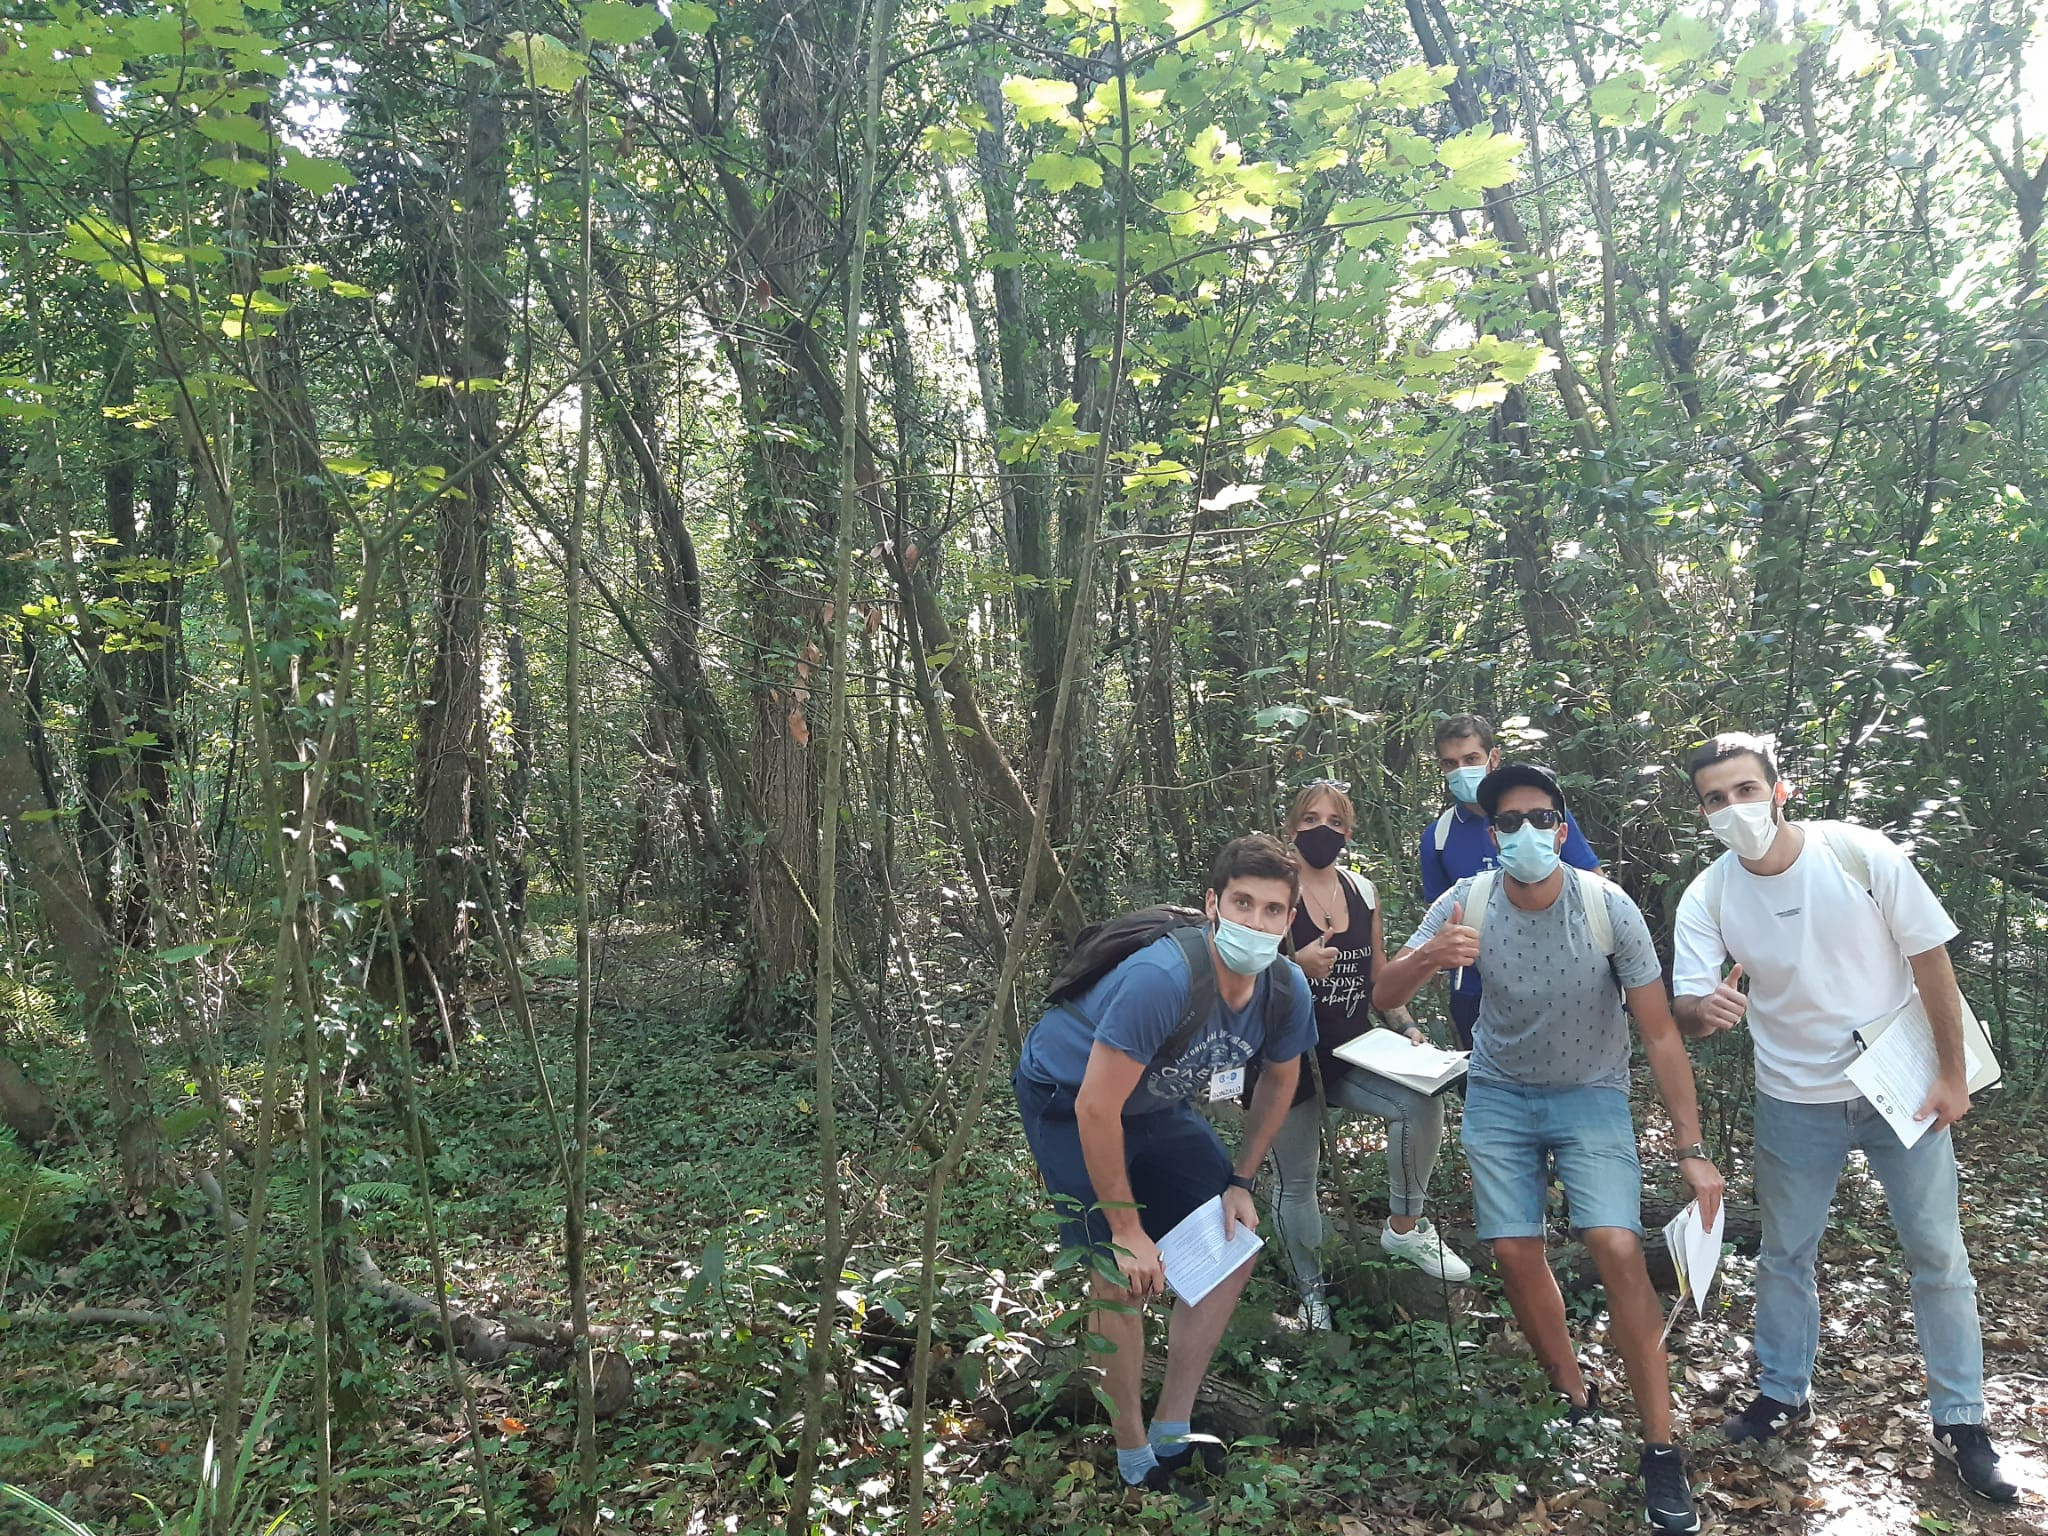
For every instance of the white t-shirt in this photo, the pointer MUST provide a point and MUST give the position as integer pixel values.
(1821, 956)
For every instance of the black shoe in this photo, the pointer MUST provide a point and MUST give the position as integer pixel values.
(1976, 1459)
(1667, 1498)
(1766, 1418)
(1588, 1412)
(1201, 1454)
(1580, 1416)
(1160, 1478)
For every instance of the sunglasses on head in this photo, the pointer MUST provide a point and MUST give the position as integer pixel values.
(1542, 821)
(1342, 786)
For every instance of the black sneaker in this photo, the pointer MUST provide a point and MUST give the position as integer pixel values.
(1578, 1415)
(1976, 1459)
(1667, 1498)
(1587, 1416)
(1197, 1454)
(1766, 1418)
(1160, 1478)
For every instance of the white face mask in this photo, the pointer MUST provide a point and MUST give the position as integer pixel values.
(1749, 827)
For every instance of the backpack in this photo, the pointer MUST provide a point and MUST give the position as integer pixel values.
(1592, 900)
(1101, 947)
(1443, 828)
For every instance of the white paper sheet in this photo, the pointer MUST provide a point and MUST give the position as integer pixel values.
(1424, 1067)
(1695, 1249)
(1896, 1072)
(1196, 1257)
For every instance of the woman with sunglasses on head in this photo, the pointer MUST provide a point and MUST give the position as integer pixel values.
(1338, 945)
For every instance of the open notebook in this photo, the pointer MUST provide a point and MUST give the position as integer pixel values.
(1425, 1068)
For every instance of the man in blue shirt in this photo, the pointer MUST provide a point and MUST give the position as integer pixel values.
(1458, 844)
(1105, 1084)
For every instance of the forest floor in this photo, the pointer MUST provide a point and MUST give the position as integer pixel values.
(704, 1245)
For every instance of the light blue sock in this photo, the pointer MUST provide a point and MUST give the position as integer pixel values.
(1168, 1435)
(1133, 1465)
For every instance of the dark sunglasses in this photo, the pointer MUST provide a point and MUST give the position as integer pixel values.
(1542, 821)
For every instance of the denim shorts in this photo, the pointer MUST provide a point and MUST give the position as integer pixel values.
(1174, 1158)
(1514, 1136)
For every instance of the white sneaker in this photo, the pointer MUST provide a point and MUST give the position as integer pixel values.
(1422, 1247)
(1315, 1314)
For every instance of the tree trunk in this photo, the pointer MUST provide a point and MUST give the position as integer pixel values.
(472, 334)
(788, 512)
(23, 1108)
(1021, 406)
(87, 949)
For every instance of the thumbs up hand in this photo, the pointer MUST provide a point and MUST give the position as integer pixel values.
(1317, 960)
(1724, 1007)
(1455, 946)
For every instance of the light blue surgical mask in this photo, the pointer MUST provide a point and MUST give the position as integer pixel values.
(1529, 854)
(1246, 951)
(1464, 782)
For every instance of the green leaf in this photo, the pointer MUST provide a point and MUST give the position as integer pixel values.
(234, 129)
(1704, 112)
(545, 61)
(1408, 149)
(947, 143)
(617, 21)
(1414, 85)
(316, 175)
(1622, 102)
(1479, 396)
(1039, 100)
(1680, 41)
(1480, 158)
(246, 174)
(185, 952)
(1292, 715)
(1062, 172)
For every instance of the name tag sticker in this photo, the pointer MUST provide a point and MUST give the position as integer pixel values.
(1226, 1085)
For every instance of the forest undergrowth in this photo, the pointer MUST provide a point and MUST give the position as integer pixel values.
(704, 1262)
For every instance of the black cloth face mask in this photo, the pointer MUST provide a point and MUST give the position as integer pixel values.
(1320, 845)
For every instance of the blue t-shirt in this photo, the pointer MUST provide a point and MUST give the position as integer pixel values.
(1135, 1009)
(1467, 850)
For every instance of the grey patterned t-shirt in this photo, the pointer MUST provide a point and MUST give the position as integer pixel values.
(1550, 1016)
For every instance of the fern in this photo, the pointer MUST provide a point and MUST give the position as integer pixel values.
(378, 1192)
(35, 1202)
(33, 1010)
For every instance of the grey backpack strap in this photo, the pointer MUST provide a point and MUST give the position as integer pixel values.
(1201, 1003)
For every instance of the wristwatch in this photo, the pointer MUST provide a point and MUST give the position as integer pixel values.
(1698, 1149)
(1239, 1181)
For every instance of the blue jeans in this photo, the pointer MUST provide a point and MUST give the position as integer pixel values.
(1800, 1152)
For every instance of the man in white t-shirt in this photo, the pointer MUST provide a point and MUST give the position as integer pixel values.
(1825, 956)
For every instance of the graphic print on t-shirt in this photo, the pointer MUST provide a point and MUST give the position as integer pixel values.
(1136, 1008)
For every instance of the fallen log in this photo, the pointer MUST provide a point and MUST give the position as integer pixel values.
(107, 1317)
(481, 1339)
(1060, 1379)
(1742, 1231)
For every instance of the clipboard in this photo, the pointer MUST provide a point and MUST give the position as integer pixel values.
(1985, 1073)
